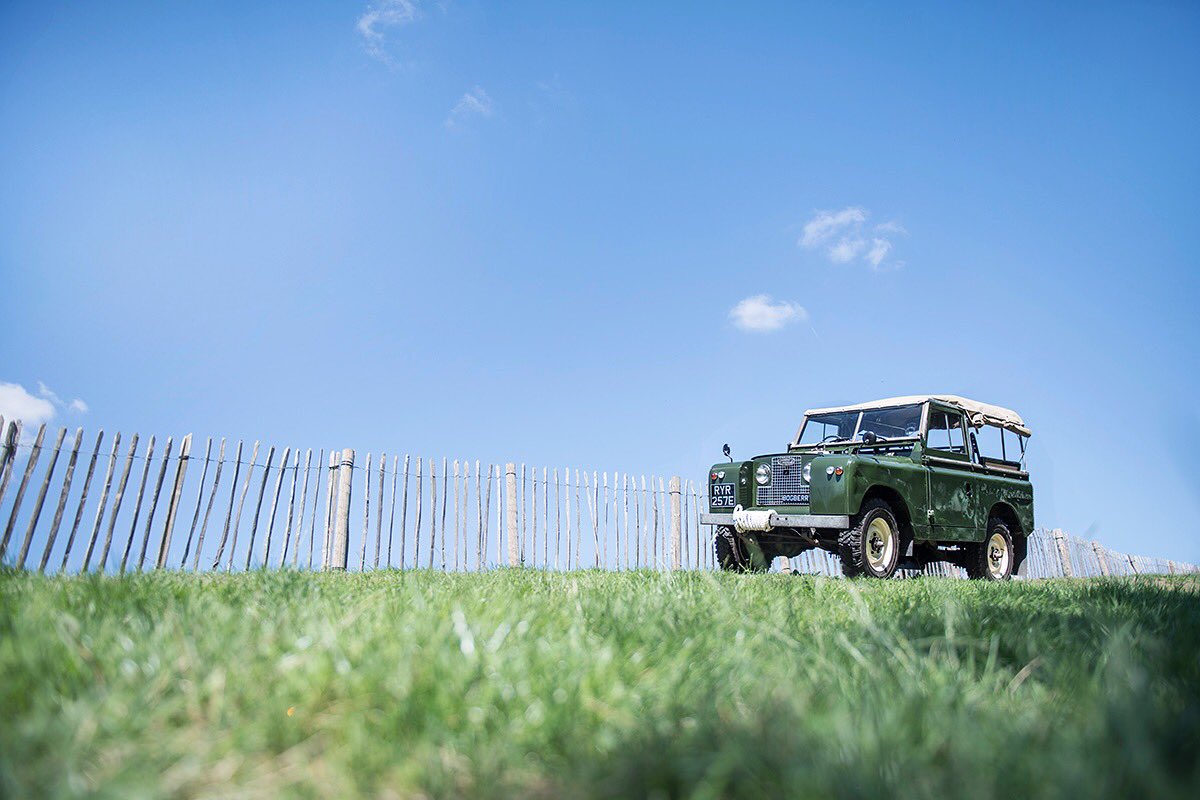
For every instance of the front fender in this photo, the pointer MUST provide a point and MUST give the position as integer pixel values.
(843, 494)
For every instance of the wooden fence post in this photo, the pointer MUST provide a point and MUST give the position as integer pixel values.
(137, 507)
(237, 520)
(299, 534)
(187, 546)
(510, 499)
(62, 500)
(87, 483)
(185, 452)
(676, 529)
(362, 561)
(6, 450)
(12, 435)
(404, 511)
(262, 491)
(112, 460)
(291, 515)
(212, 498)
(1101, 558)
(341, 531)
(41, 499)
(312, 525)
(266, 561)
(30, 463)
(330, 508)
(1064, 556)
(237, 468)
(154, 502)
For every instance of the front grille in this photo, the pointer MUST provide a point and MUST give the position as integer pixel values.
(787, 486)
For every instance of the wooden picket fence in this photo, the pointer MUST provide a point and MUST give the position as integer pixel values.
(142, 504)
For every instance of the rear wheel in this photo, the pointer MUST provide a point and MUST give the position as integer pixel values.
(994, 557)
(872, 547)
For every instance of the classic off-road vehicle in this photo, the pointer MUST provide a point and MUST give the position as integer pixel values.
(891, 484)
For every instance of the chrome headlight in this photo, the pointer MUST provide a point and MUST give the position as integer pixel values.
(763, 474)
(807, 472)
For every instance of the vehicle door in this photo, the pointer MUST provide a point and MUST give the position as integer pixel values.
(951, 486)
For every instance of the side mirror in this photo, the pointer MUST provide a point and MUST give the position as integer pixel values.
(726, 451)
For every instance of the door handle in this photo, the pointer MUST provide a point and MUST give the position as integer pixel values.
(967, 488)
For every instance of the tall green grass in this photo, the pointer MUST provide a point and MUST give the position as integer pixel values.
(523, 683)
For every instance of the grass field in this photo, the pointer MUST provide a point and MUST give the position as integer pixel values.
(589, 684)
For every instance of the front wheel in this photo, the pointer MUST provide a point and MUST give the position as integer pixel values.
(993, 558)
(727, 550)
(735, 553)
(872, 547)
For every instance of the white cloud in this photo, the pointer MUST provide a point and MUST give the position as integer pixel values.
(825, 224)
(16, 403)
(846, 250)
(381, 16)
(879, 251)
(474, 103)
(760, 314)
(842, 235)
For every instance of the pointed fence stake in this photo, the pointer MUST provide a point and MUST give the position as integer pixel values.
(30, 463)
(62, 500)
(237, 520)
(187, 545)
(41, 499)
(212, 496)
(341, 532)
(185, 453)
(154, 503)
(266, 557)
(510, 499)
(83, 495)
(137, 509)
(237, 469)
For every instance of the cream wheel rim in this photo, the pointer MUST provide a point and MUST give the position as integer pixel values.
(998, 556)
(880, 544)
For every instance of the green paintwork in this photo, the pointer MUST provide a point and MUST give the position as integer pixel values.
(950, 502)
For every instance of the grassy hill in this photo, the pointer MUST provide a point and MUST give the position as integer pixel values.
(523, 683)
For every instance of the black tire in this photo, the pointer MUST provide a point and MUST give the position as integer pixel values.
(992, 560)
(727, 550)
(862, 539)
(734, 555)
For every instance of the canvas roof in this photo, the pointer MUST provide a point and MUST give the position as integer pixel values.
(979, 413)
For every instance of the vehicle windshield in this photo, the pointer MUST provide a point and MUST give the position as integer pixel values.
(837, 426)
(892, 423)
(844, 426)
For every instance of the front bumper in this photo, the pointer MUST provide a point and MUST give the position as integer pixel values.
(766, 520)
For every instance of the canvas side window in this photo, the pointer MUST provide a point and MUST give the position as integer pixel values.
(946, 432)
(957, 435)
(1014, 446)
(990, 442)
(939, 430)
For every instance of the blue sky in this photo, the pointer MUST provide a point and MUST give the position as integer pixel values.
(520, 231)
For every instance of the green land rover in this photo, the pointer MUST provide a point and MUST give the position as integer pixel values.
(891, 484)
